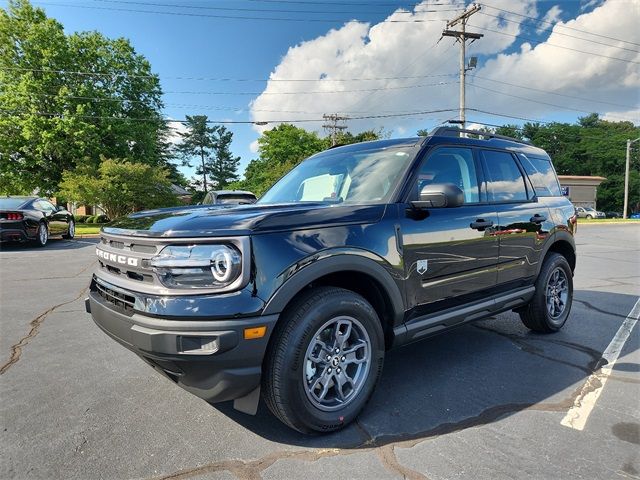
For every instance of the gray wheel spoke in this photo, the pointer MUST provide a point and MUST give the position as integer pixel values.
(351, 354)
(342, 379)
(342, 333)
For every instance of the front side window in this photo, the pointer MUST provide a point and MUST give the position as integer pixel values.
(451, 165)
(43, 206)
(364, 176)
(505, 182)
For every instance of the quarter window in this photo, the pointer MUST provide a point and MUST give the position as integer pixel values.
(505, 182)
(451, 165)
(541, 173)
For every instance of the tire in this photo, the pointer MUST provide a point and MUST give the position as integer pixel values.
(71, 231)
(550, 307)
(42, 235)
(590, 217)
(307, 330)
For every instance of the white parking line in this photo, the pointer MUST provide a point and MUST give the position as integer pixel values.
(578, 415)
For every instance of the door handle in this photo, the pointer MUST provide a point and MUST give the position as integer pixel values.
(481, 224)
(537, 218)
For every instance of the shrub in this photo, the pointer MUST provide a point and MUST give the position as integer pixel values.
(80, 218)
(100, 219)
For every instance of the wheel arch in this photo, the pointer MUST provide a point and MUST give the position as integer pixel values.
(564, 244)
(357, 273)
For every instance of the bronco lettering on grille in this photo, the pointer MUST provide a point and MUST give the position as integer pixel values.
(112, 257)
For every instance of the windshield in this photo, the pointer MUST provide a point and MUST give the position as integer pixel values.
(8, 203)
(365, 176)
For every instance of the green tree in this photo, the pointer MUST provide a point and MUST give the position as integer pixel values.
(223, 166)
(68, 99)
(283, 147)
(120, 188)
(197, 141)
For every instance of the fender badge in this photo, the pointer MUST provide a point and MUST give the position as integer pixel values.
(422, 266)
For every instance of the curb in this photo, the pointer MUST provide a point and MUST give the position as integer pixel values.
(88, 235)
(635, 222)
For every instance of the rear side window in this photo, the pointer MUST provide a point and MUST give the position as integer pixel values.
(505, 182)
(542, 175)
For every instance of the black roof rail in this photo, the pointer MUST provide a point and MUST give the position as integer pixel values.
(454, 132)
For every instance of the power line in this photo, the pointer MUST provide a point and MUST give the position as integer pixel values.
(544, 103)
(538, 42)
(225, 79)
(562, 33)
(338, 3)
(548, 92)
(540, 20)
(235, 17)
(261, 10)
(246, 122)
(515, 117)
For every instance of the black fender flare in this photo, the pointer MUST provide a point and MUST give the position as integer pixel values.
(558, 236)
(332, 264)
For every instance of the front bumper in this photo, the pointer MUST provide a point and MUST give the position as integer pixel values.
(210, 359)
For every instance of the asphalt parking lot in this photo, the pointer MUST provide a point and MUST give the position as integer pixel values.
(489, 400)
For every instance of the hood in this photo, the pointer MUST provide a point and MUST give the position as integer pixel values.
(222, 221)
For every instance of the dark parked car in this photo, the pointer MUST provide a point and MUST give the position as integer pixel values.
(613, 214)
(33, 219)
(229, 197)
(357, 250)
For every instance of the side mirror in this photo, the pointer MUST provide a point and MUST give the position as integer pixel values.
(439, 195)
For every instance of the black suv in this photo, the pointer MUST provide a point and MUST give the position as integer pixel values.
(357, 250)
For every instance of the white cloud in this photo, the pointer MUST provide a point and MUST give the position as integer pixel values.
(253, 146)
(175, 128)
(552, 16)
(384, 50)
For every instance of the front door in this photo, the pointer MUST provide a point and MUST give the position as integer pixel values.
(450, 254)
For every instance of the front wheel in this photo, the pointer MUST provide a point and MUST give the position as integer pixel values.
(590, 217)
(549, 309)
(325, 359)
(71, 231)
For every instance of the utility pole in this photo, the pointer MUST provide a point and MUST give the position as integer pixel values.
(626, 176)
(332, 125)
(461, 36)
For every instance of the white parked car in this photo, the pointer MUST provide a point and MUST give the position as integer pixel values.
(588, 212)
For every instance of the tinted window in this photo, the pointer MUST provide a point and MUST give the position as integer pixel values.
(541, 173)
(12, 203)
(361, 176)
(505, 182)
(451, 165)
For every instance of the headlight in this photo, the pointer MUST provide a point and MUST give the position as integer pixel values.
(197, 266)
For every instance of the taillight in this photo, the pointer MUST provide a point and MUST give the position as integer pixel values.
(14, 216)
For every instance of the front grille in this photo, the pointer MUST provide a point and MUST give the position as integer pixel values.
(118, 299)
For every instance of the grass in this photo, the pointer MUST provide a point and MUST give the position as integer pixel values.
(608, 220)
(87, 228)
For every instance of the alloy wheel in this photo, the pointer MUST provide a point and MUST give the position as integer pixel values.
(337, 363)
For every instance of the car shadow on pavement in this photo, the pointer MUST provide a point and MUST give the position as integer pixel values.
(473, 375)
(52, 244)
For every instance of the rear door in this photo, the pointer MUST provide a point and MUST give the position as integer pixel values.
(523, 222)
(450, 254)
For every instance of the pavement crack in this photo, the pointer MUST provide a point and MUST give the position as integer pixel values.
(251, 470)
(387, 456)
(597, 309)
(523, 344)
(35, 324)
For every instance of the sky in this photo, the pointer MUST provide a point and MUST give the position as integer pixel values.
(382, 63)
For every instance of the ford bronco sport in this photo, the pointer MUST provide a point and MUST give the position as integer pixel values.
(357, 250)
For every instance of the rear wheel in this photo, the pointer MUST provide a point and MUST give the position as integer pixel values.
(549, 309)
(42, 235)
(325, 360)
(71, 231)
